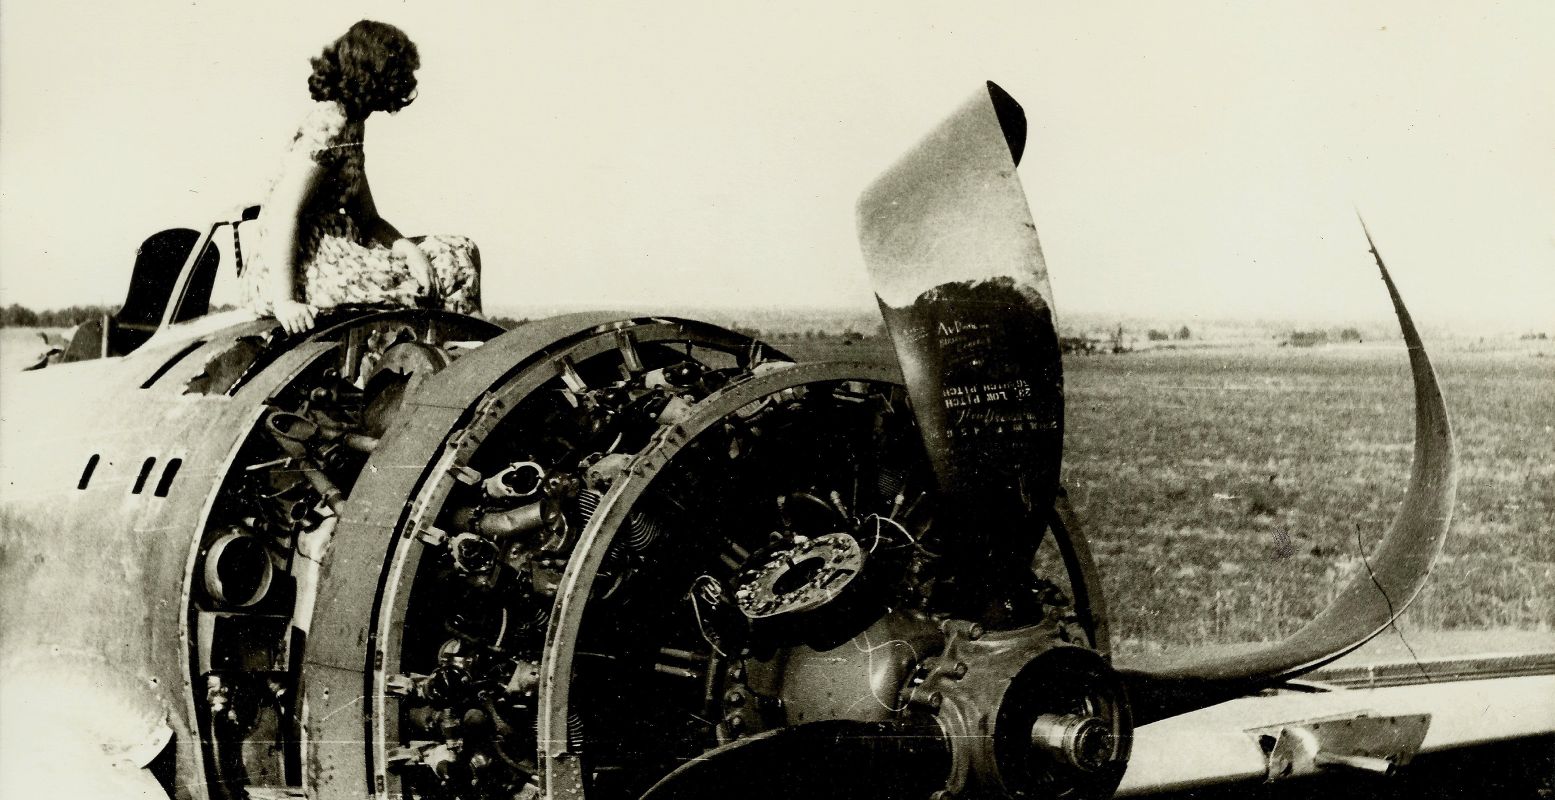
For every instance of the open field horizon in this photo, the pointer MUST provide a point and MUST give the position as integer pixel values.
(1231, 327)
(835, 320)
(1229, 490)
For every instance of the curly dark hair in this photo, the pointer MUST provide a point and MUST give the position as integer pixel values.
(370, 68)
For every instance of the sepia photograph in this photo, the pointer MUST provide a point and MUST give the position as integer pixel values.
(693, 400)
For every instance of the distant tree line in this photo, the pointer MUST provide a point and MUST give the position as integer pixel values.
(20, 316)
(814, 334)
(1182, 334)
(1312, 338)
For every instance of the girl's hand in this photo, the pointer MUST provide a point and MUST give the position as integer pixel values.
(420, 266)
(295, 317)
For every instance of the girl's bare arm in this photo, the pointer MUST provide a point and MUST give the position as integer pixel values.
(281, 217)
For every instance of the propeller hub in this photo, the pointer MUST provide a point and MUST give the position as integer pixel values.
(1083, 742)
(1026, 712)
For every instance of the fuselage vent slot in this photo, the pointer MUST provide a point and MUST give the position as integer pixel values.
(169, 472)
(145, 472)
(86, 473)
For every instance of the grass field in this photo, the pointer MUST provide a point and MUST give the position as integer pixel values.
(1228, 493)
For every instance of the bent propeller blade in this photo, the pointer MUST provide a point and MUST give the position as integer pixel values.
(1394, 573)
(959, 274)
(956, 266)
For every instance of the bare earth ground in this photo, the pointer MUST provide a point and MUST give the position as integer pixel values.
(20, 347)
(1229, 492)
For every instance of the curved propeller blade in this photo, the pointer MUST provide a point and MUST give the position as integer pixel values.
(826, 759)
(958, 271)
(1394, 573)
(961, 282)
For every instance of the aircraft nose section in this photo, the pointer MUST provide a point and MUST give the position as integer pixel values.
(71, 726)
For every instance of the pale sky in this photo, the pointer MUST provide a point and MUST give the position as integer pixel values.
(1184, 158)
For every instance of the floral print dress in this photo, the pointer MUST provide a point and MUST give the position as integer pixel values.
(337, 263)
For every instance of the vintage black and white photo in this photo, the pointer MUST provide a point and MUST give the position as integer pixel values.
(726, 400)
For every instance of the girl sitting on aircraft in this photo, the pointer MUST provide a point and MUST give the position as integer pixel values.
(322, 242)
